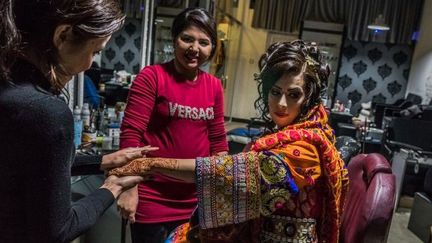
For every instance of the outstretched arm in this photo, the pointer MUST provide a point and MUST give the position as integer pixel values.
(226, 180)
(182, 169)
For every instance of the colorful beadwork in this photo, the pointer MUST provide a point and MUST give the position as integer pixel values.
(179, 235)
(281, 229)
(316, 132)
(295, 177)
(228, 189)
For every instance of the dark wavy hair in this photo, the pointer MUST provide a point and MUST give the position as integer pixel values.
(290, 57)
(27, 26)
(199, 18)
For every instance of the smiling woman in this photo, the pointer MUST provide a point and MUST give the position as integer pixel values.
(192, 48)
(178, 108)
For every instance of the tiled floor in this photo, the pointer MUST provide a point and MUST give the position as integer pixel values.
(399, 233)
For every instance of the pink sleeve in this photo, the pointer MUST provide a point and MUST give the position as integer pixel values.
(217, 135)
(141, 100)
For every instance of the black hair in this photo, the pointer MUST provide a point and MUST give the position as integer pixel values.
(9, 37)
(290, 57)
(199, 18)
(28, 26)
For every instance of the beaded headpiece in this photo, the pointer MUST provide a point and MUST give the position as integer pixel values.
(313, 63)
(308, 62)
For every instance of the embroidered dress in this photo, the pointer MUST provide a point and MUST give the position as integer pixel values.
(292, 180)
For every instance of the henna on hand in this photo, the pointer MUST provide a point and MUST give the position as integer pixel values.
(142, 166)
(139, 166)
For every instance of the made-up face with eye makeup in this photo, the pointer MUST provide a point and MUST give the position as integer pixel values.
(192, 48)
(285, 99)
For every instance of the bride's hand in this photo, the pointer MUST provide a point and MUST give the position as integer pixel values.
(123, 156)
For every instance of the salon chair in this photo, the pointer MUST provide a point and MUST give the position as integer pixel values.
(370, 200)
(382, 111)
(420, 221)
(407, 143)
(414, 134)
(427, 113)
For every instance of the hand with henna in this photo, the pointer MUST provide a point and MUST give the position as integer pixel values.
(143, 166)
(182, 169)
(128, 201)
(122, 157)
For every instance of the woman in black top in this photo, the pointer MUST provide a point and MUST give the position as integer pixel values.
(42, 45)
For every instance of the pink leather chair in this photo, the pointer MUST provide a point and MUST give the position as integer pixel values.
(370, 201)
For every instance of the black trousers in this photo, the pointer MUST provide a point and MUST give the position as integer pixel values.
(153, 233)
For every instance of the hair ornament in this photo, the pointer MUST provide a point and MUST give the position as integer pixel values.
(310, 61)
(313, 63)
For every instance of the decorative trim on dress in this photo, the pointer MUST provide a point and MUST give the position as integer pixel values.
(277, 228)
(228, 189)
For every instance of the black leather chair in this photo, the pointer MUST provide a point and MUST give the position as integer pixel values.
(384, 110)
(413, 134)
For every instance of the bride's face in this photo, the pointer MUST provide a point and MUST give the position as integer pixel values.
(285, 99)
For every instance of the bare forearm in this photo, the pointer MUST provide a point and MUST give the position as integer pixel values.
(182, 169)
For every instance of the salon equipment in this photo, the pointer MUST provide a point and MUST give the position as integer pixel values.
(421, 213)
(348, 147)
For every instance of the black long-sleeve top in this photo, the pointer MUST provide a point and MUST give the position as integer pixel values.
(36, 150)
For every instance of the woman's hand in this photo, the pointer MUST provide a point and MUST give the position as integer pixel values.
(183, 169)
(123, 156)
(127, 204)
(117, 185)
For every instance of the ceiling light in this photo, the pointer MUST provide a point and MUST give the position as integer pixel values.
(379, 24)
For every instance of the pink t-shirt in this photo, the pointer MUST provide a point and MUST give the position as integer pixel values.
(185, 119)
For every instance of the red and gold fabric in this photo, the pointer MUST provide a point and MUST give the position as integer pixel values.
(308, 149)
(179, 235)
(293, 181)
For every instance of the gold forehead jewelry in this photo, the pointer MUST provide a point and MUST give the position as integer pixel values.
(311, 62)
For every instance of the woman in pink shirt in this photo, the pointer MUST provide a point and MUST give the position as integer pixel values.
(179, 108)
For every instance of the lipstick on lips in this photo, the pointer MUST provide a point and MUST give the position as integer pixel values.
(281, 114)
